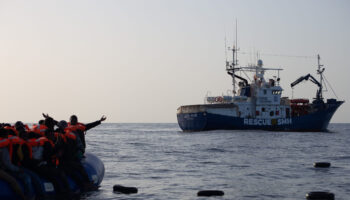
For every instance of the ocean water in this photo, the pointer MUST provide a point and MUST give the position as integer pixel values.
(165, 163)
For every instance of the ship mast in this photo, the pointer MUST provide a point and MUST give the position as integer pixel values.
(231, 68)
(320, 72)
(234, 62)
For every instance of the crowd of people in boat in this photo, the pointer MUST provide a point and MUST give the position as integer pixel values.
(51, 149)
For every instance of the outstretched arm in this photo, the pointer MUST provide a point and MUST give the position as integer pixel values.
(94, 124)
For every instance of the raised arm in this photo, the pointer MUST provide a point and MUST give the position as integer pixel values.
(94, 124)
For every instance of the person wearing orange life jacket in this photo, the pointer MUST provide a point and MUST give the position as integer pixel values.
(35, 126)
(43, 166)
(23, 156)
(15, 151)
(17, 143)
(15, 171)
(49, 168)
(20, 127)
(12, 130)
(19, 155)
(80, 128)
(4, 142)
(20, 144)
(68, 162)
(39, 128)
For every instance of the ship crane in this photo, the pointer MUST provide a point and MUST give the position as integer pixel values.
(312, 79)
(240, 78)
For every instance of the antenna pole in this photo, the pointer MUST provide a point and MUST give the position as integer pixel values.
(233, 70)
(233, 54)
(236, 43)
(320, 72)
(225, 49)
(230, 68)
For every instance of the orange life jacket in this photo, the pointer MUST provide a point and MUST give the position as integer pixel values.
(39, 129)
(35, 126)
(26, 127)
(61, 135)
(11, 128)
(42, 141)
(55, 160)
(70, 135)
(31, 143)
(34, 142)
(14, 140)
(77, 127)
(69, 124)
(4, 142)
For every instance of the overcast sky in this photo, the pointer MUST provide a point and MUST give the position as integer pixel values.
(138, 61)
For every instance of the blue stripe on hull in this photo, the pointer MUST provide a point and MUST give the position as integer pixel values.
(317, 121)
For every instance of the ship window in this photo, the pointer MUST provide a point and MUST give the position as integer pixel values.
(276, 92)
(263, 109)
(271, 113)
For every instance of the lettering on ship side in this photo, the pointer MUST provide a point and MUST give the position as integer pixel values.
(284, 121)
(267, 122)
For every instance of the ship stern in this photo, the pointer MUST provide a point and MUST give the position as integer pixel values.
(192, 117)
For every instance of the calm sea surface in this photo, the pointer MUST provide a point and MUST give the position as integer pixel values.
(165, 163)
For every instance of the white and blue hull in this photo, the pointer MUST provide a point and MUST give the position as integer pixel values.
(214, 117)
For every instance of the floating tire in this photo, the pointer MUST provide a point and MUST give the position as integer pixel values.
(320, 195)
(208, 193)
(322, 164)
(125, 190)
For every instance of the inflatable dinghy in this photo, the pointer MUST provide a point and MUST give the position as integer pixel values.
(93, 166)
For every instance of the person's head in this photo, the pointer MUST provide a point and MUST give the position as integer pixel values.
(3, 133)
(49, 123)
(19, 126)
(11, 132)
(62, 124)
(41, 122)
(73, 120)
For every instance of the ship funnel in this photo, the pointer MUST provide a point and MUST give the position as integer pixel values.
(260, 63)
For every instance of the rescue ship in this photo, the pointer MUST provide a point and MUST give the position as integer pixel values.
(259, 104)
